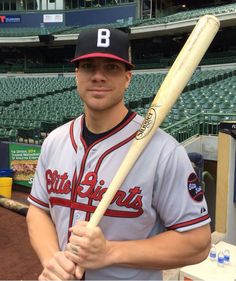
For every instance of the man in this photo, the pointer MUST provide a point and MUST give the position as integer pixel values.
(158, 218)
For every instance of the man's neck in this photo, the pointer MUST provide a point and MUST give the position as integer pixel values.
(102, 121)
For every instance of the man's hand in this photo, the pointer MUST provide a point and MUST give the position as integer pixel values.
(87, 248)
(58, 268)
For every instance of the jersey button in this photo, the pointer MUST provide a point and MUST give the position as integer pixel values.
(77, 216)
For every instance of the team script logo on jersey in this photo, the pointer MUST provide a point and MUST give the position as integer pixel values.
(91, 189)
(194, 188)
(57, 183)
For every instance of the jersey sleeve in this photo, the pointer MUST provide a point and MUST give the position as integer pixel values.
(38, 195)
(180, 200)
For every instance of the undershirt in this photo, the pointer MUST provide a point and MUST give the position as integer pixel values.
(91, 137)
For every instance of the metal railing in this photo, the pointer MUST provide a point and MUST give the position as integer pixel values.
(199, 124)
(195, 125)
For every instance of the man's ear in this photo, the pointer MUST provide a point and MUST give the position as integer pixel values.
(129, 77)
(76, 75)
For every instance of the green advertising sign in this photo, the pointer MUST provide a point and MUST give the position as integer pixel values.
(23, 161)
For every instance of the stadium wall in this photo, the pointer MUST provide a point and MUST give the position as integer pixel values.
(121, 14)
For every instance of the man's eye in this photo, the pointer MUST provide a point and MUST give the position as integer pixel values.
(112, 67)
(87, 66)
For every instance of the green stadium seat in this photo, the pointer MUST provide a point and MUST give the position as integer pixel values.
(3, 134)
(13, 135)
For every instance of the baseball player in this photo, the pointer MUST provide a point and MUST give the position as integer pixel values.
(157, 220)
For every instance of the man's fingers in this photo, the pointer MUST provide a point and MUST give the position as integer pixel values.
(65, 263)
(74, 257)
(61, 272)
(48, 275)
(81, 229)
(58, 268)
(78, 225)
(73, 248)
(79, 272)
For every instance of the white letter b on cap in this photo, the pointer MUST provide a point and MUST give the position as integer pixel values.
(103, 38)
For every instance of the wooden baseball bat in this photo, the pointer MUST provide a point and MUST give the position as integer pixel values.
(14, 206)
(172, 86)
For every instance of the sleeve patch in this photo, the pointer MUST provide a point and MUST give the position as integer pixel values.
(194, 188)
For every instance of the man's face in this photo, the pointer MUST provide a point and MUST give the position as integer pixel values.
(101, 83)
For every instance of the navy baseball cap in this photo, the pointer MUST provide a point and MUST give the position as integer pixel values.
(103, 43)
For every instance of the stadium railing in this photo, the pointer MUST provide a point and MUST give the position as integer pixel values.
(199, 124)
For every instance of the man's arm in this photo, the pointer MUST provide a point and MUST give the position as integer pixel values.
(42, 233)
(167, 250)
(44, 241)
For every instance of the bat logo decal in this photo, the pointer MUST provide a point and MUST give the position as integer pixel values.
(148, 123)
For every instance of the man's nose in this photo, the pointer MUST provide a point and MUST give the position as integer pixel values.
(99, 72)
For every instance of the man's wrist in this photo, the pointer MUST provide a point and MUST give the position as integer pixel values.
(45, 259)
(113, 256)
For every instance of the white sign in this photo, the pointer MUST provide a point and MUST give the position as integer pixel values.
(53, 18)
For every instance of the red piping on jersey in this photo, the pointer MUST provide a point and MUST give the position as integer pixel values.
(102, 158)
(73, 188)
(74, 144)
(81, 133)
(187, 223)
(90, 209)
(87, 150)
(72, 135)
(112, 149)
(38, 201)
(75, 180)
(87, 217)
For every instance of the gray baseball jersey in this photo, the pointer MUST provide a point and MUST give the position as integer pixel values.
(161, 191)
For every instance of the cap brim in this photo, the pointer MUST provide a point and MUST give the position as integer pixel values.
(102, 55)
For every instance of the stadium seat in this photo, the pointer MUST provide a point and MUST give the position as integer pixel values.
(3, 134)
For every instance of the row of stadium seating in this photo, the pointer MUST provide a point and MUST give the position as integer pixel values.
(29, 88)
(158, 63)
(191, 14)
(33, 31)
(180, 16)
(22, 89)
(161, 62)
(27, 113)
(21, 67)
(155, 63)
